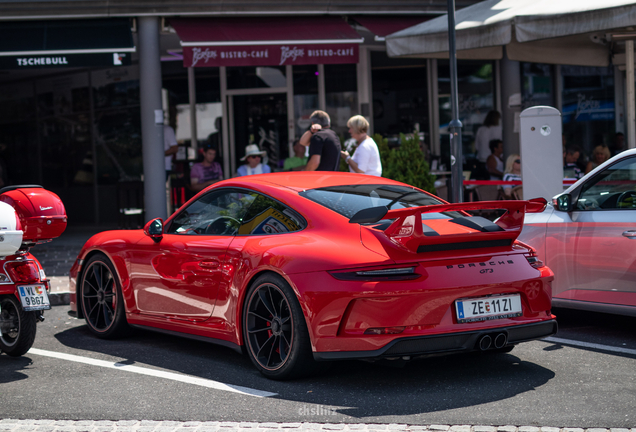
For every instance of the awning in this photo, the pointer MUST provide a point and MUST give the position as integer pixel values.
(382, 26)
(543, 31)
(212, 42)
(54, 44)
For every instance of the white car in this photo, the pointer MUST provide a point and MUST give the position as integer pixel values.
(587, 236)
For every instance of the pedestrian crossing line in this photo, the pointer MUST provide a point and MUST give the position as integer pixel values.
(591, 345)
(155, 373)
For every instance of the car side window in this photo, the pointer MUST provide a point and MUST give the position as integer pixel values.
(268, 216)
(216, 213)
(612, 189)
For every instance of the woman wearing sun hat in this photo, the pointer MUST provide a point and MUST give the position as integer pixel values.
(253, 157)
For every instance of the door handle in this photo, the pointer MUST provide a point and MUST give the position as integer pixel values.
(630, 234)
(209, 264)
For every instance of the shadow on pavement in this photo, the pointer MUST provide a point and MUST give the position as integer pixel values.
(11, 368)
(368, 389)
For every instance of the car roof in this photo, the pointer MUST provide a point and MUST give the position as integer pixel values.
(302, 180)
(291, 183)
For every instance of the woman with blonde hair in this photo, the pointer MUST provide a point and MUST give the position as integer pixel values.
(366, 159)
(512, 172)
(599, 155)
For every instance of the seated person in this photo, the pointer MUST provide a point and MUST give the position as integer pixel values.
(208, 172)
(511, 173)
(600, 154)
(253, 156)
(570, 168)
(298, 161)
(494, 163)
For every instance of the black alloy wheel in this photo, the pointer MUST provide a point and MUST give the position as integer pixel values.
(275, 331)
(102, 300)
(17, 327)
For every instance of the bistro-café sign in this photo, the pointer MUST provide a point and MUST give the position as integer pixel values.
(269, 55)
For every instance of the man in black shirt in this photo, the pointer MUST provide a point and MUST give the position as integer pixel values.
(324, 144)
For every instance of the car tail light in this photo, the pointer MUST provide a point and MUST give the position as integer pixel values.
(384, 330)
(391, 274)
(23, 271)
(534, 261)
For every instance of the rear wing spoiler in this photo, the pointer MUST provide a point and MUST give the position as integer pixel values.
(414, 236)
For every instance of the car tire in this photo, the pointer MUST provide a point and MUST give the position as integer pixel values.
(102, 301)
(18, 327)
(275, 332)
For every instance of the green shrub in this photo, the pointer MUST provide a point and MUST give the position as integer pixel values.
(405, 163)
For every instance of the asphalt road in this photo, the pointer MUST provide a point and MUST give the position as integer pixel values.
(586, 377)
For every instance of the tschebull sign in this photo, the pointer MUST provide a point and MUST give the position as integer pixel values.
(269, 55)
(63, 60)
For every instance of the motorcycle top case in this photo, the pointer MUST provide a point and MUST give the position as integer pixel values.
(41, 212)
(10, 230)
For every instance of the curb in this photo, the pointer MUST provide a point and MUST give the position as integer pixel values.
(15, 425)
(60, 293)
(60, 298)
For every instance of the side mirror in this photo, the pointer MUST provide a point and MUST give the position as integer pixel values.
(154, 229)
(536, 205)
(563, 202)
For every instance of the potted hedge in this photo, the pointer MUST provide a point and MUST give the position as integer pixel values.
(406, 162)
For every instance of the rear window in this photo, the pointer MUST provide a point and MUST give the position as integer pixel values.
(348, 200)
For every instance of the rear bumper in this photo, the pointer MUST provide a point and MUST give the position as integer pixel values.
(446, 343)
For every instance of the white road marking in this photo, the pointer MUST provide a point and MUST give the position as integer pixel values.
(591, 345)
(153, 372)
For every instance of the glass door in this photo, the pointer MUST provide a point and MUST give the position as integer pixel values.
(261, 119)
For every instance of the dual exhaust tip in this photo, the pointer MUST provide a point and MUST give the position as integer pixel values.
(492, 341)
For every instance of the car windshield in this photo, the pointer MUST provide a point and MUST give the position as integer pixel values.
(612, 189)
(348, 200)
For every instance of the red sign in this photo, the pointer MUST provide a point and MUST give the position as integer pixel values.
(269, 55)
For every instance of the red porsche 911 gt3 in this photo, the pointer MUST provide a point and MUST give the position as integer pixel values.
(301, 268)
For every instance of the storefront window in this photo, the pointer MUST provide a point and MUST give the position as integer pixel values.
(64, 142)
(588, 107)
(476, 98)
(64, 114)
(400, 101)
(208, 85)
(305, 96)
(16, 103)
(208, 105)
(116, 87)
(262, 120)
(18, 139)
(341, 92)
(209, 116)
(209, 111)
(536, 85)
(256, 77)
(117, 125)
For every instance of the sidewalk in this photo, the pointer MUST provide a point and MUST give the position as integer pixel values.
(58, 255)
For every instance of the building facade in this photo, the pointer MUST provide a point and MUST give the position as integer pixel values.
(73, 93)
